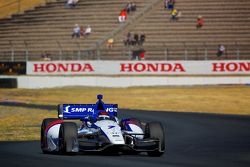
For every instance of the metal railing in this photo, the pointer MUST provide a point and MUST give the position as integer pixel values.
(183, 51)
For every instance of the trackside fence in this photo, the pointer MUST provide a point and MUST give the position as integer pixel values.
(176, 52)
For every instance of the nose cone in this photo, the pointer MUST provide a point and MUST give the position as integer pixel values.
(112, 131)
(115, 135)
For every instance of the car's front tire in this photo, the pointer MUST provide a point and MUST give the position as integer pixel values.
(43, 138)
(68, 142)
(154, 130)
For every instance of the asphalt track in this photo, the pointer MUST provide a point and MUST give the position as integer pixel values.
(192, 140)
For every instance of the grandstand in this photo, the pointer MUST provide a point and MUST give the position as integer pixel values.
(47, 29)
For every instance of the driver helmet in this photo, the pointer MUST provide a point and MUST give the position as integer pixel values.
(103, 115)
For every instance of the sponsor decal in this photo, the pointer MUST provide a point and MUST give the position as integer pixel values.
(111, 109)
(138, 67)
(110, 126)
(70, 110)
(62, 67)
(152, 67)
(231, 67)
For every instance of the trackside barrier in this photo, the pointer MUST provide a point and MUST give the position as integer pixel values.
(73, 68)
(49, 74)
(38, 82)
(8, 82)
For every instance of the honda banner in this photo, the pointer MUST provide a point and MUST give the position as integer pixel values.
(138, 67)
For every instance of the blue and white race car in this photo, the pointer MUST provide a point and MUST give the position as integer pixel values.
(99, 130)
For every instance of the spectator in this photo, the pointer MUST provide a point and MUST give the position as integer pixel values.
(166, 4)
(87, 31)
(138, 54)
(174, 14)
(110, 43)
(71, 3)
(136, 39)
(128, 7)
(135, 55)
(122, 16)
(133, 7)
(76, 31)
(82, 30)
(199, 22)
(45, 56)
(220, 51)
(142, 39)
(179, 14)
(170, 4)
(129, 39)
(142, 54)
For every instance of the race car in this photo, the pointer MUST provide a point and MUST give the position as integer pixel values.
(99, 129)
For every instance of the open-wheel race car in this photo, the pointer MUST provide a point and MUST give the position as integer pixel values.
(99, 130)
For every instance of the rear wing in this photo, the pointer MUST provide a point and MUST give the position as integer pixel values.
(78, 111)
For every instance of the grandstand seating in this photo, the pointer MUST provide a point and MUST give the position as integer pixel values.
(226, 22)
(48, 28)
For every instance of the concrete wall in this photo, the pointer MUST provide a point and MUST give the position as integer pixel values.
(35, 82)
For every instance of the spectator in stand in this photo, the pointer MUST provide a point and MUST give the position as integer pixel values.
(136, 39)
(82, 30)
(45, 56)
(76, 31)
(166, 4)
(174, 14)
(133, 7)
(170, 4)
(142, 54)
(199, 22)
(122, 16)
(142, 39)
(128, 7)
(71, 3)
(110, 43)
(129, 39)
(179, 14)
(220, 51)
(138, 54)
(87, 31)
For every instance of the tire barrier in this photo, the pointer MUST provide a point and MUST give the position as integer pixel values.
(8, 83)
(12, 68)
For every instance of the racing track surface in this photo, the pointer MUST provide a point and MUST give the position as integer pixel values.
(193, 140)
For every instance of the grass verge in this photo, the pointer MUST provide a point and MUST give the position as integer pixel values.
(24, 123)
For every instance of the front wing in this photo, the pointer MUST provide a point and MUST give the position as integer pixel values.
(144, 145)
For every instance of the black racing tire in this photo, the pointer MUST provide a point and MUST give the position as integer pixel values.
(68, 142)
(155, 130)
(43, 138)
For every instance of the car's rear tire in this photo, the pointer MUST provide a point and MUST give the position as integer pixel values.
(68, 142)
(43, 138)
(154, 130)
